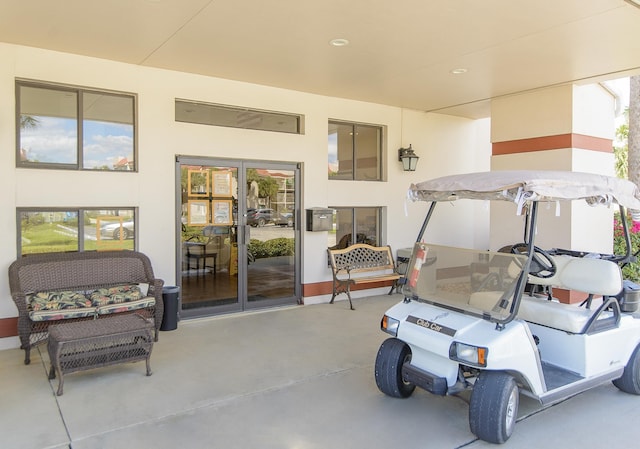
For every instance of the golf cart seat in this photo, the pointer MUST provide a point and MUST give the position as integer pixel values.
(596, 277)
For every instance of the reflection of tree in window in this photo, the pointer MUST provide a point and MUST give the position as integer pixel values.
(27, 122)
(50, 122)
(267, 186)
(198, 182)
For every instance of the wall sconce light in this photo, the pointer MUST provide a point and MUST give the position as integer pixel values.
(408, 158)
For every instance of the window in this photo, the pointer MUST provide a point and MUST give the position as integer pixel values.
(72, 128)
(60, 230)
(363, 222)
(355, 151)
(237, 117)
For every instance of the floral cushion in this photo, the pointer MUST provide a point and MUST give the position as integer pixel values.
(144, 303)
(57, 300)
(61, 305)
(58, 305)
(65, 314)
(115, 295)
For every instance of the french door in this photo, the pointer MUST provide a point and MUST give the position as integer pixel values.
(239, 234)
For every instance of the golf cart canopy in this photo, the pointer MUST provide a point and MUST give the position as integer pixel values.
(530, 185)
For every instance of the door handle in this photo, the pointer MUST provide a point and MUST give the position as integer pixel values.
(244, 234)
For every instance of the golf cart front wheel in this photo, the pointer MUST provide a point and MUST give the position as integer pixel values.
(494, 406)
(393, 353)
(630, 380)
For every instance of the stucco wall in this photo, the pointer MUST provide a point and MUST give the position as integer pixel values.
(445, 145)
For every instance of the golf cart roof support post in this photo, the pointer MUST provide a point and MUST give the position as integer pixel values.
(627, 238)
(426, 221)
(527, 231)
(530, 228)
(532, 215)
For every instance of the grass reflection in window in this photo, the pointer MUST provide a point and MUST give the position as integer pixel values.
(58, 230)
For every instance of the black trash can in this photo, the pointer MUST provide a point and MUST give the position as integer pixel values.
(629, 297)
(171, 299)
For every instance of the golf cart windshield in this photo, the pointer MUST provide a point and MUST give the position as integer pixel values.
(491, 283)
(473, 281)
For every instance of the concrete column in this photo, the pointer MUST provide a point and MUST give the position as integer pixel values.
(568, 128)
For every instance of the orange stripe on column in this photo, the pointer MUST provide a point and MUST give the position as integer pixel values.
(592, 143)
(552, 143)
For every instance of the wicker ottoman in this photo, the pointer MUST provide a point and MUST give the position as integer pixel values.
(85, 345)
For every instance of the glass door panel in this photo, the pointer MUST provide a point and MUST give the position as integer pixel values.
(271, 223)
(239, 237)
(209, 270)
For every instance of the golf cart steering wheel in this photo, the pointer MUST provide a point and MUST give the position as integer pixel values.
(542, 264)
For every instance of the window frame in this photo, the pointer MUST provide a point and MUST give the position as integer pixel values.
(380, 151)
(380, 225)
(214, 114)
(80, 92)
(80, 211)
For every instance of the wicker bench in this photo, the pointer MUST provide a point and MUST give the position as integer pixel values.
(85, 345)
(66, 287)
(361, 264)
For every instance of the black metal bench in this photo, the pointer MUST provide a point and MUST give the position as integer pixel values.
(361, 264)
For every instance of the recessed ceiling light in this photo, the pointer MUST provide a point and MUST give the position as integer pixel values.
(459, 71)
(339, 42)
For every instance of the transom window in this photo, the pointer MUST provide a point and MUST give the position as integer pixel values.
(72, 128)
(355, 151)
(237, 117)
(50, 230)
(365, 223)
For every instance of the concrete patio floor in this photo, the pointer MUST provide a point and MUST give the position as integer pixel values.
(291, 378)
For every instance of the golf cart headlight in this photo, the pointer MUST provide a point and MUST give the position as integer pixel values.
(472, 355)
(390, 325)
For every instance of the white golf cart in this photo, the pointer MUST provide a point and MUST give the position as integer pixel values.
(489, 322)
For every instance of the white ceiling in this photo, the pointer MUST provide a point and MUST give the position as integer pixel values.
(401, 52)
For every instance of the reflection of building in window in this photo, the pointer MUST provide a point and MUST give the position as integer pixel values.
(124, 164)
(50, 117)
(273, 189)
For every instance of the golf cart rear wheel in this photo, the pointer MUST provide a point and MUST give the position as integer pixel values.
(629, 382)
(393, 353)
(494, 406)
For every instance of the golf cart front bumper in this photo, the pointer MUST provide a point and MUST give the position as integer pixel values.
(430, 382)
